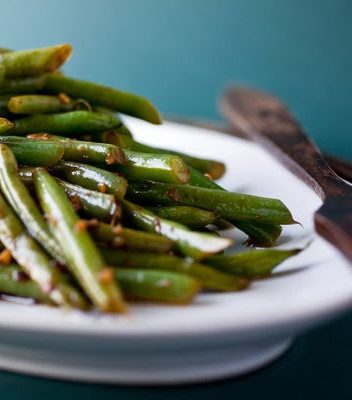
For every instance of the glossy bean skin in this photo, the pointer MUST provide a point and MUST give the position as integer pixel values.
(252, 264)
(91, 177)
(209, 278)
(157, 286)
(68, 123)
(35, 262)
(121, 237)
(33, 62)
(43, 104)
(22, 85)
(83, 258)
(229, 205)
(22, 202)
(34, 152)
(126, 103)
(191, 244)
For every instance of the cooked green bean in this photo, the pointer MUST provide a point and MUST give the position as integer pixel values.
(194, 218)
(83, 258)
(81, 151)
(34, 152)
(91, 177)
(88, 202)
(229, 205)
(159, 167)
(5, 125)
(22, 85)
(126, 103)
(207, 276)
(35, 261)
(44, 104)
(259, 235)
(14, 282)
(121, 237)
(213, 168)
(34, 62)
(159, 286)
(68, 123)
(21, 201)
(191, 244)
(251, 264)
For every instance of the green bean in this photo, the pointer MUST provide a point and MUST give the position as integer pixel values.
(91, 177)
(213, 168)
(194, 218)
(207, 276)
(251, 264)
(22, 85)
(121, 237)
(5, 125)
(191, 244)
(126, 103)
(34, 62)
(229, 205)
(122, 128)
(77, 150)
(44, 104)
(159, 167)
(21, 201)
(14, 282)
(83, 258)
(35, 261)
(259, 235)
(88, 202)
(34, 152)
(68, 123)
(159, 286)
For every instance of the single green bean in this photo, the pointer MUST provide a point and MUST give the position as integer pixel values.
(91, 177)
(251, 264)
(229, 205)
(194, 218)
(34, 152)
(121, 237)
(159, 167)
(34, 62)
(35, 261)
(44, 104)
(69, 123)
(83, 258)
(14, 282)
(208, 277)
(90, 203)
(22, 85)
(81, 151)
(126, 103)
(5, 125)
(259, 235)
(191, 244)
(21, 201)
(159, 286)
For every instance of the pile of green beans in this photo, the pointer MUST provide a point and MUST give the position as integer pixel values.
(89, 217)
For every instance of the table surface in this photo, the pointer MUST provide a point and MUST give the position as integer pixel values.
(318, 365)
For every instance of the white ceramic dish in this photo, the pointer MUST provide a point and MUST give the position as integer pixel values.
(220, 334)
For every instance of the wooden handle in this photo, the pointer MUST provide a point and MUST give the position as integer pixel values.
(264, 119)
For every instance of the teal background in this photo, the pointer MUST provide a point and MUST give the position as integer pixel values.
(181, 54)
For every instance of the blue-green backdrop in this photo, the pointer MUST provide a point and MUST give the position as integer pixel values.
(181, 53)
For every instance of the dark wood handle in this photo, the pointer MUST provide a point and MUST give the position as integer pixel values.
(264, 119)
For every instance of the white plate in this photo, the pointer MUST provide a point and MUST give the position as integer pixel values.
(217, 336)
